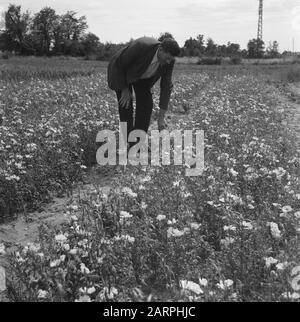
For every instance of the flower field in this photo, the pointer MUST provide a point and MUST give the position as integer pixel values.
(231, 234)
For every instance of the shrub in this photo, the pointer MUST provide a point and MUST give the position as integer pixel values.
(209, 61)
(5, 55)
(293, 75)
(236, 60)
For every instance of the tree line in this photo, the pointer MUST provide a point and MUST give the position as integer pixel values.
(48, 34)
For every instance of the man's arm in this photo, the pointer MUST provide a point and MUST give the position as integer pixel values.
(166, 87)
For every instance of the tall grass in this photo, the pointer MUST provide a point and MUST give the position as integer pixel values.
(293, 74)
(17, 68)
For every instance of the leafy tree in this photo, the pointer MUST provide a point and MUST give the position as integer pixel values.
(194, 47)
(73, 27)
(164, 36)
(69, 33)
(222, 50)
(44, 25)
(233, 50)
(256, 48)
(273, 49)
(17, 27)
(211, 48)
(91, 44)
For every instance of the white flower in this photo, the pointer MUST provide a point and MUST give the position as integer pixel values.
(203, 282)
(84, 269)
(62, 258)
(270, 261)
(125, 215)
(191, 286)
(226, 136)
(174, 232)
(73, 251)
(91, 290)
(2, 249)
(161, 217)
(129, 239)
(34, 247)
(230, 228)
(227, 241)
(109, 293)
(275, 232)
(247, 225)
(19, 258)
(287, 209)
(176, 183)
(144, 205)
(297, 215)
(280, 172)
(233, 172)
(172, 222)
(126, 238)
(73, 207)
(282, 266)
(66, 247)
(291, 296)
(228, 283)
(55, 263)
(195, 226)
(60, 238)
(42, 294)
(84, 298)
(225, 284)
(86, 290)
(129, 192)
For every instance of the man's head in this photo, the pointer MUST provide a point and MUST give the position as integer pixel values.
(168, 50)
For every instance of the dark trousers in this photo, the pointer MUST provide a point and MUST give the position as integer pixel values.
(143, 108)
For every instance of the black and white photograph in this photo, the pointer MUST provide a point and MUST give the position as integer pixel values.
(149, 153)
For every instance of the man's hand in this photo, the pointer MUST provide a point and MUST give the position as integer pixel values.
(162, 125)
(126, 97)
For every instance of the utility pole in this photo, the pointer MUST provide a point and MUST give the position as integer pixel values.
(260, 26)
(260, 21)
(293, 45)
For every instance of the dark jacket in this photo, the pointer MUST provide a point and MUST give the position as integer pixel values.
(130, 63)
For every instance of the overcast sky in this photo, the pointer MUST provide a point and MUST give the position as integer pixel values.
(222, 20)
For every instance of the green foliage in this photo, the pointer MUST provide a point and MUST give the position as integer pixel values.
(255, 48)
(210, 61)
(230, 234)
(236, 60)
(293, 75)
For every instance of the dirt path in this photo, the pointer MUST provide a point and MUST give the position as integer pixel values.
(289, 102)
(294, 98)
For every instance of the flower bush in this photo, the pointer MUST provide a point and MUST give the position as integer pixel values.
(230, 234)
